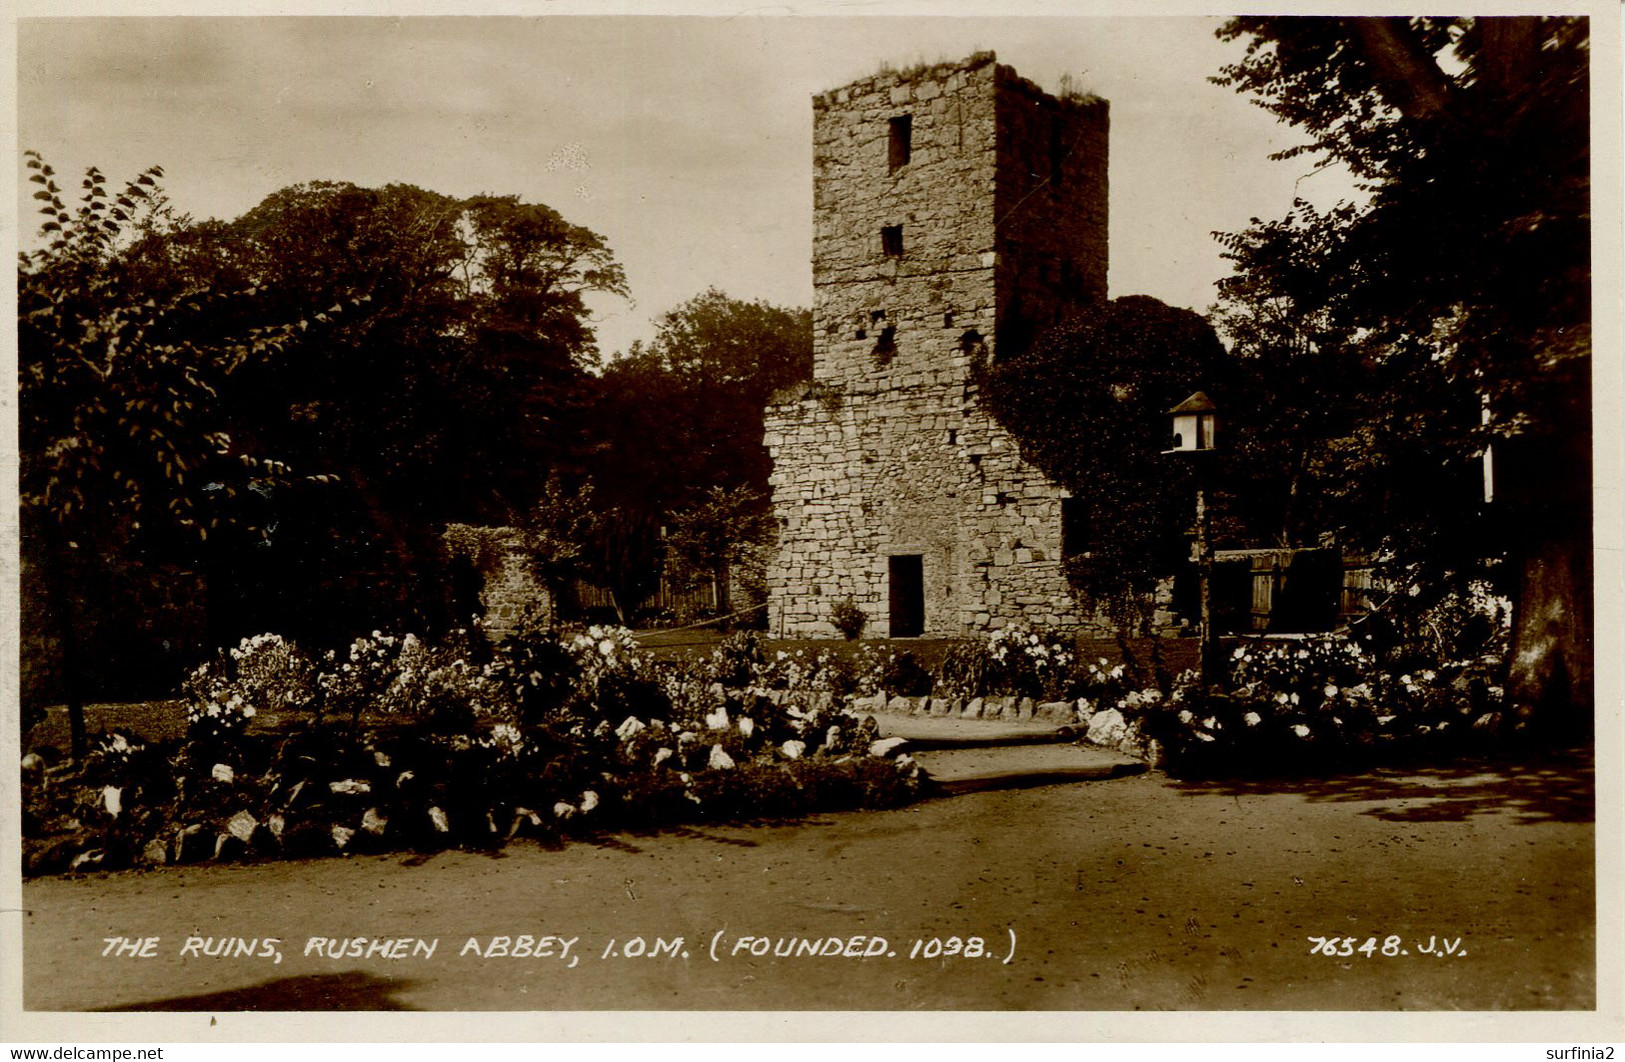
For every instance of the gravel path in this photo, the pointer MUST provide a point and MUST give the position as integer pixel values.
(1124, 894)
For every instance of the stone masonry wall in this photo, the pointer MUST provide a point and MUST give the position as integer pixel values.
(511, 588)
(888, 450)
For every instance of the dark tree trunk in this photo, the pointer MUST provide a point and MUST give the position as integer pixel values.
(1552, 667)
(64, 616)
(1547, 493)
(719, 579)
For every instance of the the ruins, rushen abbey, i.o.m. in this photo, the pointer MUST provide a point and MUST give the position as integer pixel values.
(958, 210)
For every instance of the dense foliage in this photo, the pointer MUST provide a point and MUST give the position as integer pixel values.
(1460, 285)
(700, 387)
(266, 423)
(124, 442)
(1089, 405)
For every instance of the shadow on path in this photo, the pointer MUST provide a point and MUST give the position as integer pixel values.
(1553, 787)
(351, 990)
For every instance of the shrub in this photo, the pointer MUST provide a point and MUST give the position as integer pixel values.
(738, 660)
(1012, 661)
(848, 618)
(892, 673)
(262, 673)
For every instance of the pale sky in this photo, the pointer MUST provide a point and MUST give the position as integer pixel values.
(684, 141)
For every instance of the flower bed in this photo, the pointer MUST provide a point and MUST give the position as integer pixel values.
(1309, 706)
(1280, 707)
(553, 736)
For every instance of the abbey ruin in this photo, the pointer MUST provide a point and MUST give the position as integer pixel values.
(958, 211)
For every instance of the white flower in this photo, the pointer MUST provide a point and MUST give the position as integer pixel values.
(248, 712)
(661, 756)
(630, 727)
(793, 749)
(1294, 698)
(589, 800)
(222, 772)
(720, 760)
(562, 810)
(1281, 698)
(747, 726)
(1252, 719)
(606, 647)
(1331, 691)
(1300, 730)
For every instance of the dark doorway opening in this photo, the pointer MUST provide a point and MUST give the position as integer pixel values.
(907, 595)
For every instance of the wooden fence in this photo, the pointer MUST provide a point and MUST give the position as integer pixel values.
(1287, 590)
(699, 599)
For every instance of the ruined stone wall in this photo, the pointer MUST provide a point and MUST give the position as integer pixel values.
(888, 452)
(511, 593)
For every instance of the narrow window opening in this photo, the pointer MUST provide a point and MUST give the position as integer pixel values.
(1074, 528)
(876, 316)
(891, 240)
(953, 437)
(885, 346)
(900, 143)
(1002, 498)
(862, 333)
(948, 319)
(970, 340)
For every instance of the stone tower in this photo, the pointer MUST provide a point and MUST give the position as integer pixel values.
(958, 210)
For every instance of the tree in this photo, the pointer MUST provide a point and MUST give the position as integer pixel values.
(721, 532)
(121, 430)
(450, 399)
(1337, 430)
(1471, 139)
(700, 388)
(681, 421)
(1088, 404)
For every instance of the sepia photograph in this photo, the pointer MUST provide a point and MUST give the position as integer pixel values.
(1035, 524)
